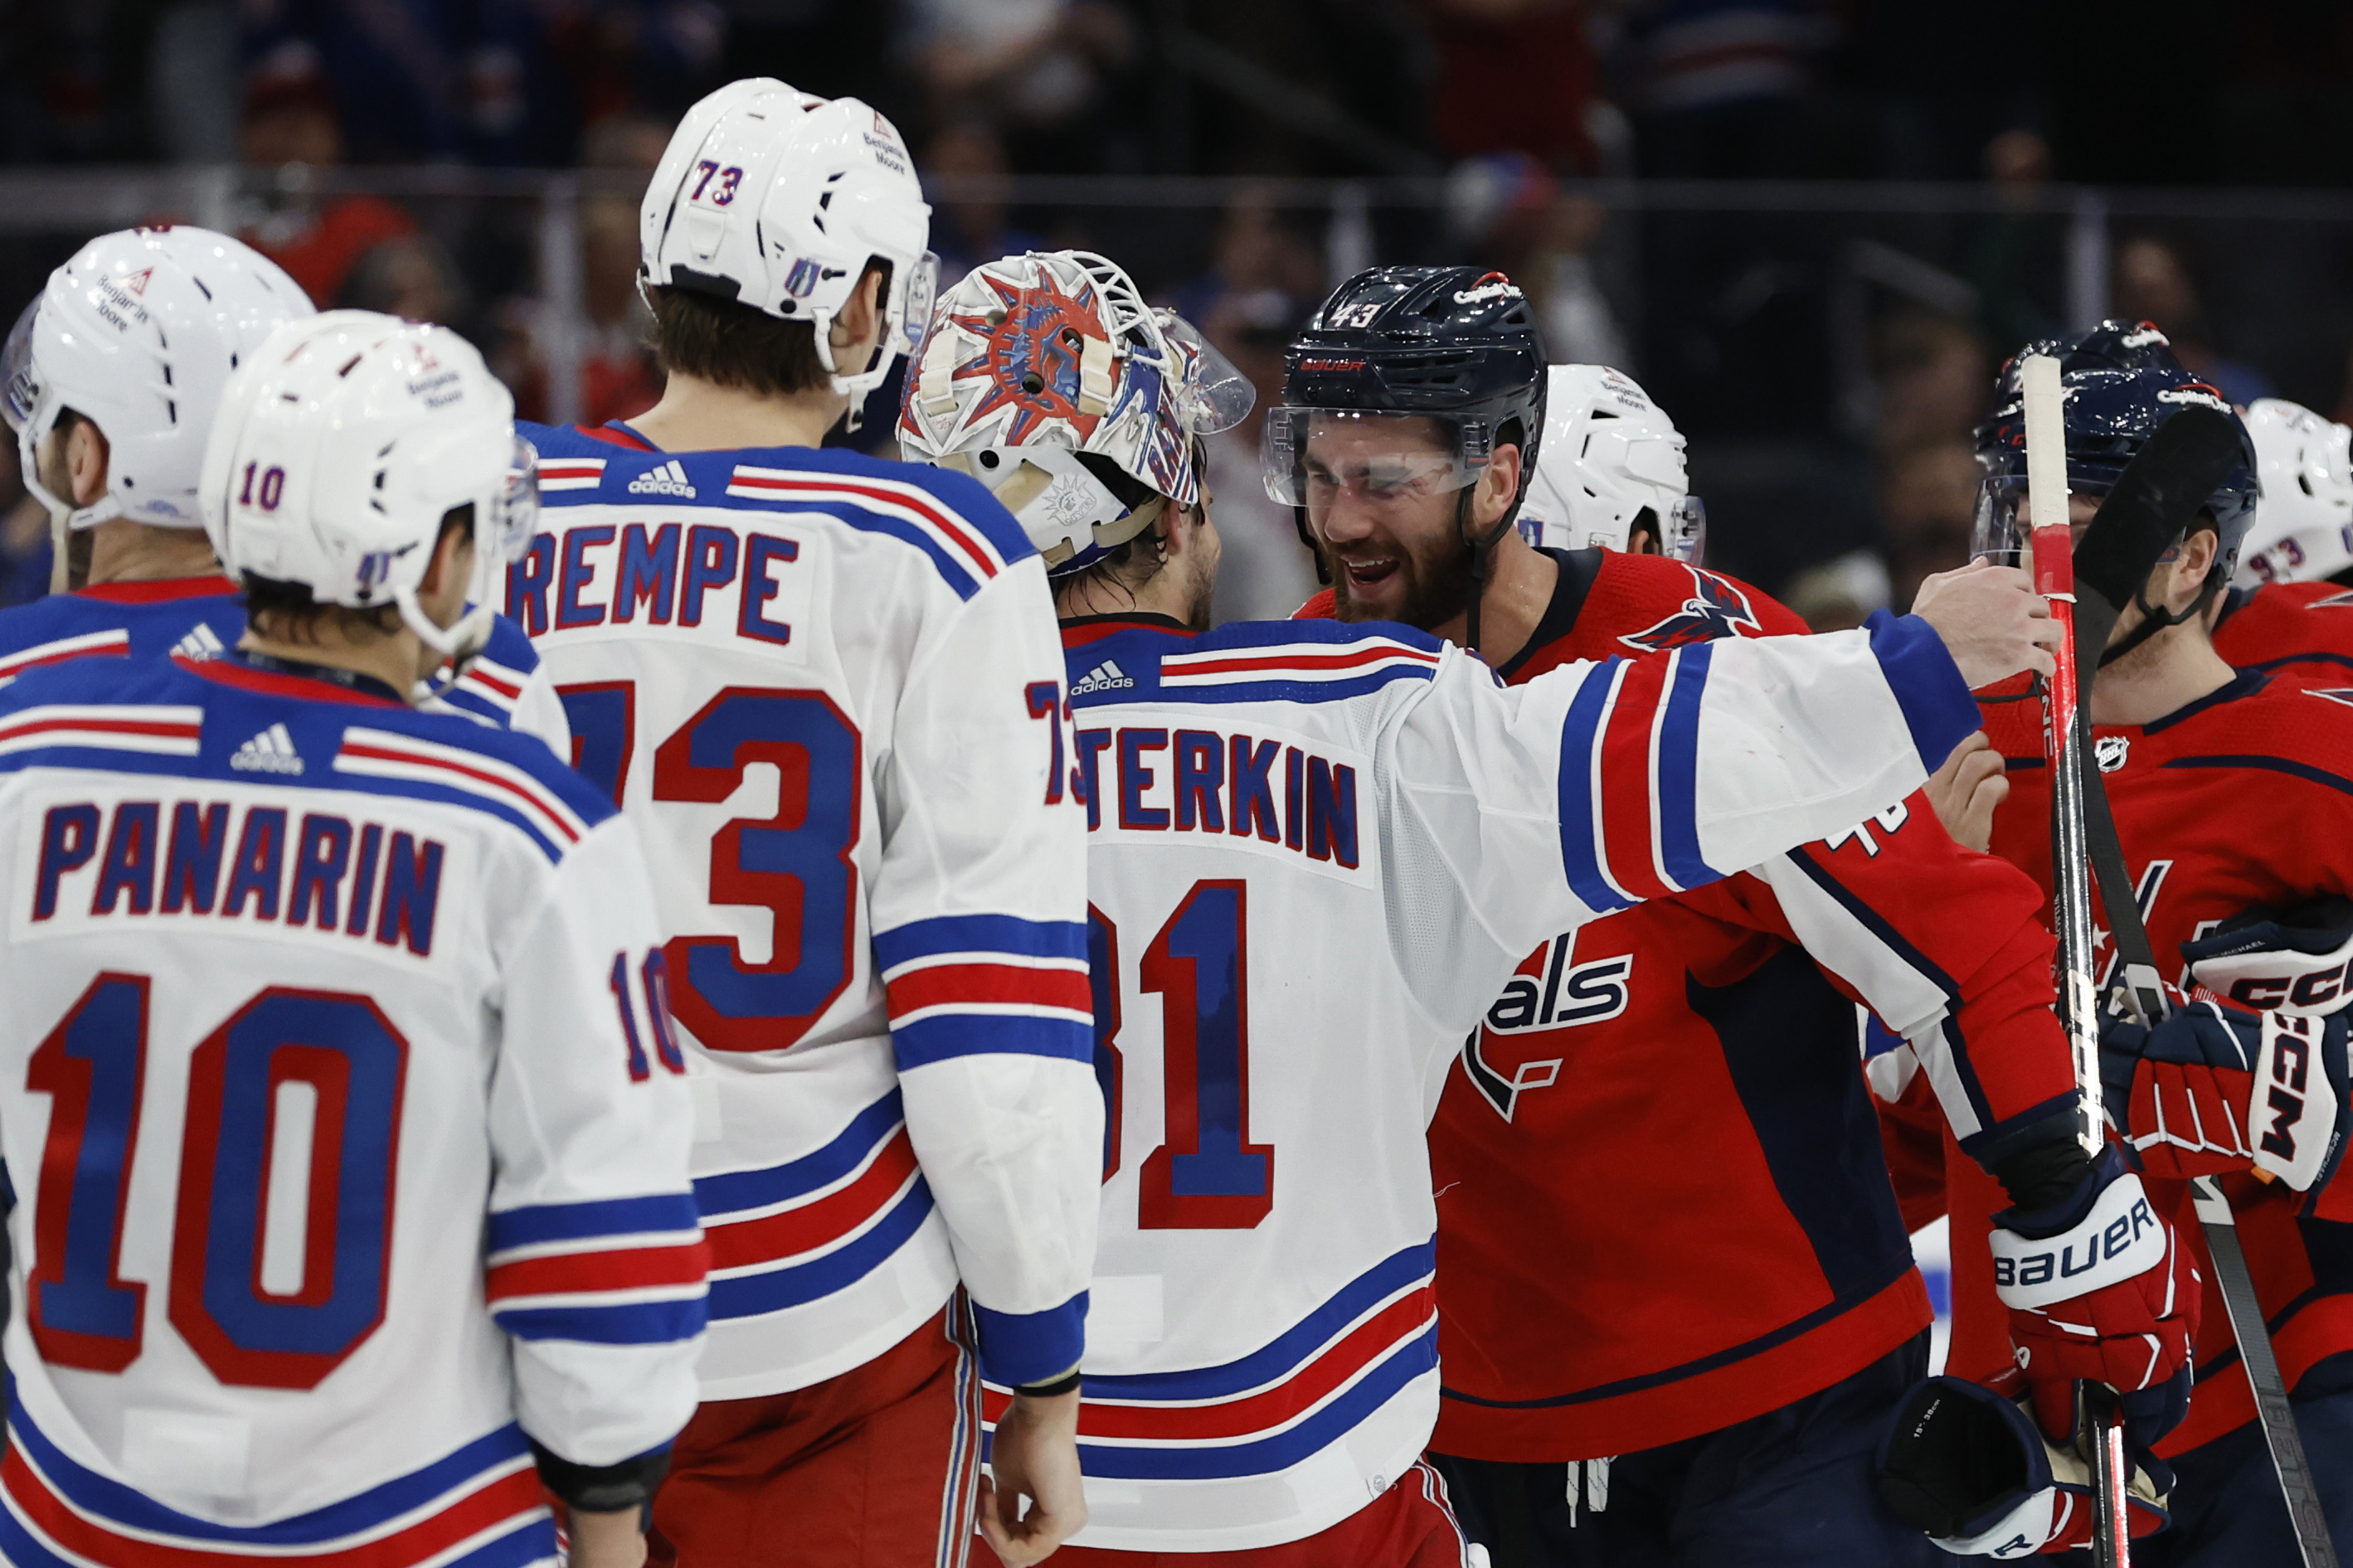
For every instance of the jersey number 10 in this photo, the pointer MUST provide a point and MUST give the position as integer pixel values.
(258, 1315)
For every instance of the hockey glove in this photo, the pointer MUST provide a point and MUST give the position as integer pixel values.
(2297, 960)
(2099, 1286)
(1966, 1464)
(2215, 1089)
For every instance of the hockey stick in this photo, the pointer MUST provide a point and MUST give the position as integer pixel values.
(2070, 891)
(2155, 496)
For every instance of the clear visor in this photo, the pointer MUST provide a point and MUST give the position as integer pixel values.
(1312, 457)
(1686, 525)
(1216, 397)
(20, 387)
(516, 517)
(922, 289)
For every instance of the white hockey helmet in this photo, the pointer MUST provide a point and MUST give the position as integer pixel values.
(777, 199)
(2304, 520)
(341, 445)
(1046, 377)
(137, 333)
(1609, 456)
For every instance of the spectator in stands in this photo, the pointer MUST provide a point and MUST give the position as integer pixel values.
(2153, 284)
(1507, 211)
(1933, 372)
(1267, 572)
(1928, 505)
(1036, 68)
(2019, 252)
(1514, 76)
(290, 123)
(971, 228)
(411, 276)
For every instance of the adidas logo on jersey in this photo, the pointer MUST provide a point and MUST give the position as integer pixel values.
(200, 643)
(272, 751)
(669, 480)
(1104, 677)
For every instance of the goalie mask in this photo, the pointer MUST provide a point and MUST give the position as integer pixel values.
(1049, 379)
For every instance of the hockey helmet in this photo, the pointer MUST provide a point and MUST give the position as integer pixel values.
(137, 333)
(2119, 382)
(1612, 461)
(341, 445)
(2304, 522)
(1407, 345)
(1049, 379)
(779, 200)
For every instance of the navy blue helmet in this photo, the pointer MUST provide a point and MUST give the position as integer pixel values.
(1453, 346)
(2120, 381)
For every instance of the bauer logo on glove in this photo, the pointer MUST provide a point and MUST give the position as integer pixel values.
(2118, 1239)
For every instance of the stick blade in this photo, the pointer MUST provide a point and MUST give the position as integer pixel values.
(2155, 498)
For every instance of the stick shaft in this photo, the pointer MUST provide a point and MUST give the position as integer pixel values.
(2071, 880)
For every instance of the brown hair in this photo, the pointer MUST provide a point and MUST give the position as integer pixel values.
(289, 612)
(729, 344)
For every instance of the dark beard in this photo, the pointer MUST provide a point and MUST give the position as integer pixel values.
(1438, 588)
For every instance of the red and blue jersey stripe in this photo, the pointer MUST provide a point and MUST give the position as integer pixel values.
(966, 984)
(613, 1271)
(479, 1506)
(1280, 1404)
(787, 1235)
(1630, 779)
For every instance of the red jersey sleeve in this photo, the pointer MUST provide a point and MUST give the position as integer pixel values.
(1947, 946)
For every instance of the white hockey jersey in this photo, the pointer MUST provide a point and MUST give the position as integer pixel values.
(1317, 852)
(827, 688)
(348, 1139)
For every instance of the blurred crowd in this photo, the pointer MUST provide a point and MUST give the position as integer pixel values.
(1828, 375)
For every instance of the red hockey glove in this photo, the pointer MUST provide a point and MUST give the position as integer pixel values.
(1966, 1464)
(2099, 1286)
(2215, 1089)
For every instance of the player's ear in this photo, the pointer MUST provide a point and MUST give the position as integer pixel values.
(85, 460)
(859, 314)
(1498, 483)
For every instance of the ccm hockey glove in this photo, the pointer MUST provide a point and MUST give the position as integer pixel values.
(2215, 1089)
(2297, 960)
(2099, 1286)
(1966, 1464)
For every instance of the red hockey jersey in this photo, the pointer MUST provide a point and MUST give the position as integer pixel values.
(2300, 631)
(2222, 805)
(1666, 1107)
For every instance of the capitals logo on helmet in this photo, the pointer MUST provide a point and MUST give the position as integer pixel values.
(1715, 609)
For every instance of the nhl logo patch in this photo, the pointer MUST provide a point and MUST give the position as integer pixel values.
(2110, 751)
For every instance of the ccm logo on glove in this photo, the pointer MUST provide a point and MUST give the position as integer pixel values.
(2118, 1239)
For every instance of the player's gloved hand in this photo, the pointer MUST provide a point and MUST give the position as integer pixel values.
(2216, 1090)
(2099, 1286)
(2297, 960)
(1965, 1463)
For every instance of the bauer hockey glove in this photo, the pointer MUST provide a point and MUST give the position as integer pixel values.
(2214, 1091)
(1966, 1464)
(2099, 1288)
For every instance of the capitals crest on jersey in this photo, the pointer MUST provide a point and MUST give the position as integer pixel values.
(1715, 609)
